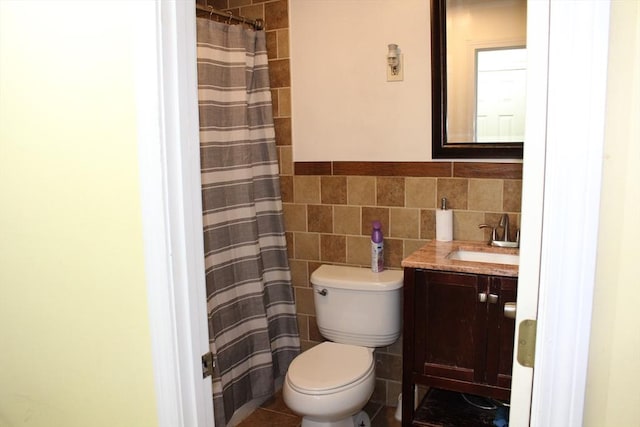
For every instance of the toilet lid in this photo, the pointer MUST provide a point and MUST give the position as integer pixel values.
(329, 366)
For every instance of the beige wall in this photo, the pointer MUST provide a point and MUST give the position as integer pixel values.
(343, 106)
(612, 395)
(74, 326)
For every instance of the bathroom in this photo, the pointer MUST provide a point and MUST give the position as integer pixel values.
(328, 216)
(101, 400)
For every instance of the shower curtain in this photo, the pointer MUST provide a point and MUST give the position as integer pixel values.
(252, 319)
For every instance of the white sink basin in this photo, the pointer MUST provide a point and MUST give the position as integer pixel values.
(489, 257)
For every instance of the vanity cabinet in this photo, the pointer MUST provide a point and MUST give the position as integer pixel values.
(456, 335)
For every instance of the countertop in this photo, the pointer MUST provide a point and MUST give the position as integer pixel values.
(433, 256)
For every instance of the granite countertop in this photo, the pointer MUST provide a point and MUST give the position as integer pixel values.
(433, 256)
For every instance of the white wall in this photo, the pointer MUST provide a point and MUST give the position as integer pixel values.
(74, 329)
(343, 108)
(612, 395)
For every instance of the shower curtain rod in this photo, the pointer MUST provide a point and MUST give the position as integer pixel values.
(258, 24)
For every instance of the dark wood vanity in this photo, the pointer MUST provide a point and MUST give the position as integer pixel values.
(456, 335)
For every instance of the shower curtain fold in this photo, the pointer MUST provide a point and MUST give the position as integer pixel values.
(252, 320)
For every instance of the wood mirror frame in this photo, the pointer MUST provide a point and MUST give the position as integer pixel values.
(441, 149)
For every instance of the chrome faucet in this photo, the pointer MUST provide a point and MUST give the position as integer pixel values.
(503, 241)
(504, 223)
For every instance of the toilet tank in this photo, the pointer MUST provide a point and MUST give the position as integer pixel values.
(357, 306)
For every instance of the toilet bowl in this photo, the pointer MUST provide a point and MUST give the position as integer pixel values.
(330, 383)
(357, 310)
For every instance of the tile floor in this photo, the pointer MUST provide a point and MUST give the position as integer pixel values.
(274, 413)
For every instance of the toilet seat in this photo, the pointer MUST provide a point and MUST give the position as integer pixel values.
(329, 368)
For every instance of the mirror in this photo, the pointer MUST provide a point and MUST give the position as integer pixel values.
(478, 63)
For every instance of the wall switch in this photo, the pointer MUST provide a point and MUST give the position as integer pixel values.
(399, 76)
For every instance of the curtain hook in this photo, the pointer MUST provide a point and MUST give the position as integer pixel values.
(230, 16)
(210, 12)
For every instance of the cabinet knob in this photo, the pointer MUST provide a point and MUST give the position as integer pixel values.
(510, 310)
(482, 297)
(492, 298)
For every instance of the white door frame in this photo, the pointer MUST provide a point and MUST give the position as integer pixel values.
(578, 59)
(561, 199)
(562, 175)
(169, 151)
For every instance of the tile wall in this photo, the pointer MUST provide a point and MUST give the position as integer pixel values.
(329, 206)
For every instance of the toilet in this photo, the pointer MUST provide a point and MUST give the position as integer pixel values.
(356, 310)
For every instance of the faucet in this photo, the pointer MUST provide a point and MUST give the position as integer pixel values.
(504, 223)
(503, 242)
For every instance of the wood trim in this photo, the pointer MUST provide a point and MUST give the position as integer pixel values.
(412, 169)
(312, 168)
(488, 170)
(436, 169)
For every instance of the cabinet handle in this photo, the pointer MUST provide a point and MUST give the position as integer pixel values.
(482, 297)
(510, 310)
(493, 299)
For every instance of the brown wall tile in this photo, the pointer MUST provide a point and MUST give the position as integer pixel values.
(304, 301)
(306, 189)
(389, 191)
(370, 214)
(286, 188)
(320, 218)
(465, 225)
(282, 127)
(314, 332)
(427, 224)
(303, 326)
(405, 223)
(361, 190)
(284, 102)
(333, 248)
(276, 15)
(283, 43)
(295, 216)
(252, 12)
(279, 75)
(346, 220)
(306, 246)
(455, 190)
(285, 163)
(410, 246)
(272, 44)
(388, 366)
(299, 273)
(333, 190)
(512, 195)
(485, 195)
(359, 250)
(393, 253)
(421, 192)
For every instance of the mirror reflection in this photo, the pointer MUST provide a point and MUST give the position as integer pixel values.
(479, 72)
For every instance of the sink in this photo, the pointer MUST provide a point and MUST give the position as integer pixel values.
(489, 257)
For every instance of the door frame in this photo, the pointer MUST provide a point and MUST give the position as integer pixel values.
(560, 205)
(169, 162)
(562, 174)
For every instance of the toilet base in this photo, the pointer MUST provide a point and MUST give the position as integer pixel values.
(361, 419)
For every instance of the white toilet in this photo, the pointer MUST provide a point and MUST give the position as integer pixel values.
(357, 310)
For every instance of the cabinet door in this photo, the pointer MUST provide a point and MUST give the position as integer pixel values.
(450, 328)
(501, 331)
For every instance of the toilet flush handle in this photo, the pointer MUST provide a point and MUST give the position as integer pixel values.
(322, 292)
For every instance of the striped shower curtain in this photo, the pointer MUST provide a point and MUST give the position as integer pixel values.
(252, 319)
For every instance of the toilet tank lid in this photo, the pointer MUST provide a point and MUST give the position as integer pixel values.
(345, 277)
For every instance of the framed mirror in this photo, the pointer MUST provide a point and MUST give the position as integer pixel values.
(478, 65)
